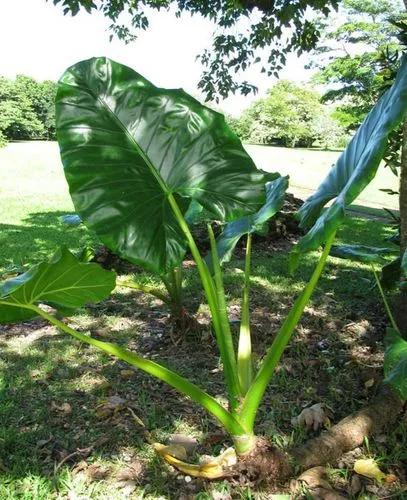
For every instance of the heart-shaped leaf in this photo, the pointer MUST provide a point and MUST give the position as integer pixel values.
(256, 223)
(63, 282)
(395, 362)
(126, 145)
(354, 169)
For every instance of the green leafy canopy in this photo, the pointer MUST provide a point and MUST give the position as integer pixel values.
(127, 146)
(63, 282)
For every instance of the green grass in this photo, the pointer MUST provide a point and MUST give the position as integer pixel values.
(308, 167)
(41, 369)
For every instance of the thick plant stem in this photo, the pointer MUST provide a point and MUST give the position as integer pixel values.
(227, 355)
(220, 292)
(173, 284)
(255, 393)
(183, 385)
(244, 355)
(146, 289)
(385, 302)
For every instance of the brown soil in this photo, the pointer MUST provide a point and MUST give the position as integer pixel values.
(265, 464)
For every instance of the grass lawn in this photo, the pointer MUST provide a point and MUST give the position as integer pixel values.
(59, 438)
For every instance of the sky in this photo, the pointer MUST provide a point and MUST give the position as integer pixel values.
(38, 41)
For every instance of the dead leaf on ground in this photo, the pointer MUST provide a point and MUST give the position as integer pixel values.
(110, 406)
(367, 467)
(133, 472)
(127, 487)
(369, 383)
(213, 438)
(189, 443)
(97, 472)
(64, 408)
(314, 417)
(355, 485)
(127, 373)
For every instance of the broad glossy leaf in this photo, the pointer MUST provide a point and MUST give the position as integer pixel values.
(354, 169)
(395, 362)
(63, 282)
(360, 253)
(126, 144)
(256, 223)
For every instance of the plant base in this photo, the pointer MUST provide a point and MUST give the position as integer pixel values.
(263, 464)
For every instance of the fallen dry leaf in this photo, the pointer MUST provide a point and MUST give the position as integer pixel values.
(96, 472)
(314, 417)
(126, 373)
(110, 406)
(189, 443)
(175, 450)
(368, 467)
(355, 485)
(369, 383)
(133, 472)
(65, 408)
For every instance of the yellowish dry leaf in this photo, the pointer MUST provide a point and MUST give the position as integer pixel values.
(368, 467)
(214, 468)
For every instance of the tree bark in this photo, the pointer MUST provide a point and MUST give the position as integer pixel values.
(350, 432)
(403, 191)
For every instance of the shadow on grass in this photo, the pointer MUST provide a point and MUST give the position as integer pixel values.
(327, 361)
(37, 432)
(39, 237)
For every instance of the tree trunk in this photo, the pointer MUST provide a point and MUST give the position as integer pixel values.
(403, 191)
(350, 432)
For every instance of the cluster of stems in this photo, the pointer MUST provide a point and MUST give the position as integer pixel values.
(245, 385)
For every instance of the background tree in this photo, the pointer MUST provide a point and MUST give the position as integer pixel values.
(26, 109)
(245, 28)
(359, 58)
(290, 115)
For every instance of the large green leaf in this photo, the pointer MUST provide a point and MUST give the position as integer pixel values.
(360, 253)
(126, 145)
(63, 282)
(354, 169)
(395, 362)
(255, 223)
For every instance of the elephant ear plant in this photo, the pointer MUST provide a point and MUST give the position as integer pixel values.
(132, 152)
(110, 127)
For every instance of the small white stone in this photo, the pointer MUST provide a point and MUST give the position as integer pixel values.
(188, 479)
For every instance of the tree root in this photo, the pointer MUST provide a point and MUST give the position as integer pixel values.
(267, 464)
(351, 431)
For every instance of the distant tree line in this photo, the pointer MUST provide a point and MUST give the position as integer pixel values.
(290, 115)
(26, 109)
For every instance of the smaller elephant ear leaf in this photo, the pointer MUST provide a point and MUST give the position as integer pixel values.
(360, 253)
(354, 169)
(395, 362)
(64, 282)
(256, 223)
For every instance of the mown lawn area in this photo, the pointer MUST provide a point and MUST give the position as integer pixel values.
(60, 439)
